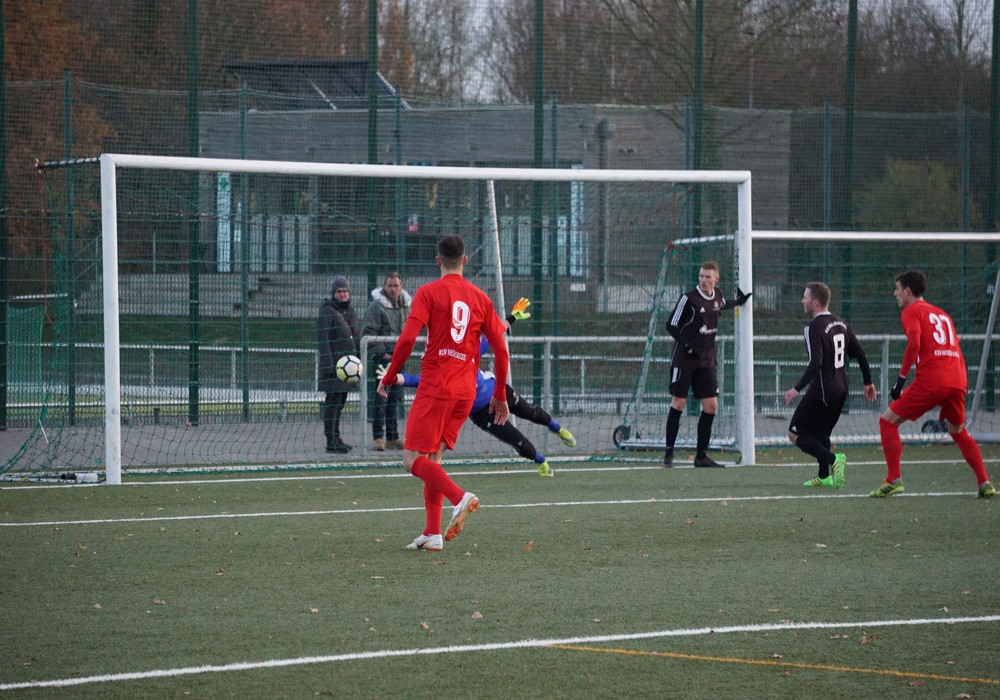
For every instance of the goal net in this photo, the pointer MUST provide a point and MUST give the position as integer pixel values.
(207, 276)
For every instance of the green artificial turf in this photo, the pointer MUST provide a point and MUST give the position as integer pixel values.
(305, 579)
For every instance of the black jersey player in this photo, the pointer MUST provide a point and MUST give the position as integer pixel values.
(829, 344)
(694, 324)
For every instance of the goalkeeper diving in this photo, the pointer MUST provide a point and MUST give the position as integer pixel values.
(481, 416)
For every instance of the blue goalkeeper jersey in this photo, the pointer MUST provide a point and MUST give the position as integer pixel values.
(485, 384)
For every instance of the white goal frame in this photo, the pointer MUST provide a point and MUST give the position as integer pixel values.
(110, 162)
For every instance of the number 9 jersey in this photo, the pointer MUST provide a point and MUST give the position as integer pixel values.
(456, 314)
(932, 345)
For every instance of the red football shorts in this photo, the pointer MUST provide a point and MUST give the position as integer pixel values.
(432, 421)
(918, 398)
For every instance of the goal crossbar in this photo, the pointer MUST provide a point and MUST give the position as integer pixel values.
(868, 236)
(425, 172)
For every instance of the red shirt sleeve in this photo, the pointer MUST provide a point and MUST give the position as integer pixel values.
(494, 330)
(911, 328)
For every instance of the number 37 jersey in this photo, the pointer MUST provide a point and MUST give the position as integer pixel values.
(932, 345)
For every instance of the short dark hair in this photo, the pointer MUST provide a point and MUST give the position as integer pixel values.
(820, 292)
(394, 275)
(914, 280)
(451, 249)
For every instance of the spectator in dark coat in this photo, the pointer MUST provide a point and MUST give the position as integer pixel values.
(338, 334)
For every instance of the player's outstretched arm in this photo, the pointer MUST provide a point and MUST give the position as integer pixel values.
(517, 313)
(400, 377)
(494, 328)
(404, 346)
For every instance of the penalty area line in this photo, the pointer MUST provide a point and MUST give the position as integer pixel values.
(499, 646)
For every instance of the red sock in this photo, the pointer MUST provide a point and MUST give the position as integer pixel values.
(970, 450)
(432, 504)
(434, 476)
(892, 446)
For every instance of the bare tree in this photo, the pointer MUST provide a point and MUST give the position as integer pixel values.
(642, 51)
(439, 35)
(959, 35)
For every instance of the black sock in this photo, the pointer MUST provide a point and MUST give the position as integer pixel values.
(825, 442)
(705, 421)
(813, 447)
(673, 426)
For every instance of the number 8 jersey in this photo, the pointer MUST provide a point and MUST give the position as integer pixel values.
(830, 342)
(932, 345)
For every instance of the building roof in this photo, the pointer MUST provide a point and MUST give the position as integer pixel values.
(313, 84)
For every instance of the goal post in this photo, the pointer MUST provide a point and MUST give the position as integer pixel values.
(112, 164)
(112, 338)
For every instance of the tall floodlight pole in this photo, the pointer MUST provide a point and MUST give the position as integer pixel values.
(992, 217)
(699, 104)
(536, 190)
(193, 243)
(992, 195)
(244, 258)
(846, 213)
(554, 251)
(69, 263)
(846, 217)
(3, 229)
(370, 184)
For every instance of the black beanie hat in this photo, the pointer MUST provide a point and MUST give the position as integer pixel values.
(339, 282)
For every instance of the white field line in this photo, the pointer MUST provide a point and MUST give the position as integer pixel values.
(405, 509)
(467, 648)
(618, 465)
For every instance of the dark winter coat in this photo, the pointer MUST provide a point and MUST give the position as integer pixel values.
(338, 334)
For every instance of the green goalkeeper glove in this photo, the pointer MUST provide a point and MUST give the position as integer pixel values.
(380, 371)
(519, 311)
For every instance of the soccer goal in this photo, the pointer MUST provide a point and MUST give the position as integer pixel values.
(577, 242)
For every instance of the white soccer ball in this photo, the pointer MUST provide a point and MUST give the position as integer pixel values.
(350, 369)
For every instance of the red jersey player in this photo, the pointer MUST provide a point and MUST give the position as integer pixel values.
(931, 346)
(456, 314)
